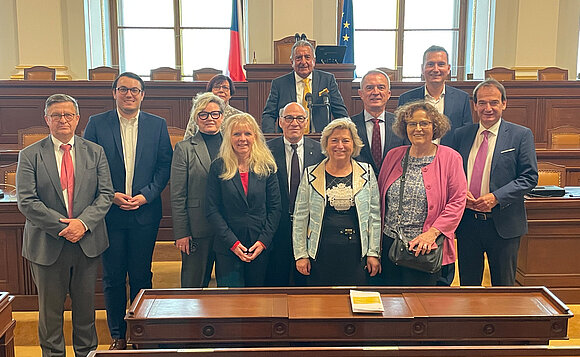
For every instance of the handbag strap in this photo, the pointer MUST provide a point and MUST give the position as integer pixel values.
(402, 185)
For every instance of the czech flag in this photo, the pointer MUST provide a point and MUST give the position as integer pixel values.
(236, 59)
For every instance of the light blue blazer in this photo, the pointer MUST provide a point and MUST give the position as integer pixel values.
(311, 202)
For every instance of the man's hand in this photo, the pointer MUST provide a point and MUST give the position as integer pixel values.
(183, 244)
(485, 203)
(470, 201)
(74, 231)
(128, 203)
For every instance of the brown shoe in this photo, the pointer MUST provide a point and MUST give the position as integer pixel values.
(118, 344)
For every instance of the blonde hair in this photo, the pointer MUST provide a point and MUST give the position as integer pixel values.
(262, 162)
(341, 123)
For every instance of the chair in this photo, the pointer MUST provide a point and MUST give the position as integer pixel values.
(175, 135)
(103, 73)
(500, 74)
(551, 174)
(8, 177)
(31, 135)
(552, 74)
(283, 48)
(165, 74)
(395, 75)
(205, 74)
(40, 73)
(564, 137)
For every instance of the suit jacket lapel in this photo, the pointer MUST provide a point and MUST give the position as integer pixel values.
(279, 152)
(116, 133)
(467, 143)
(317, 179)
(80, 165)
(49, 162)
(201, 151)
(501, 143)
(141, 135)
(308, 154)
(292, 87)
(237, 182)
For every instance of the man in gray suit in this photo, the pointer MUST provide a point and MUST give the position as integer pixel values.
(64, 190)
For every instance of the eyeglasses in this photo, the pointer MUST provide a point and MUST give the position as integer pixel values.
(124, 90)
(422, 124)
(67, 116)
(214, 115)
(289, 119)
(223, 87)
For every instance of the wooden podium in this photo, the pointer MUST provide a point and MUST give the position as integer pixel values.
(323, 316)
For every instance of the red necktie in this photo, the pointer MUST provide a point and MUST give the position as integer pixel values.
(376, 147)
(67, 176)
(478, 166)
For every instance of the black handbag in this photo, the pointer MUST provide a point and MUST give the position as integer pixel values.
(399, 252)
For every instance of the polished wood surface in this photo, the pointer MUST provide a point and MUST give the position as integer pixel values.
(7, 324)
(323, 315)
(387, 351)
(548, 253)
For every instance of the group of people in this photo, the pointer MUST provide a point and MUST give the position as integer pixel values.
(287, 212)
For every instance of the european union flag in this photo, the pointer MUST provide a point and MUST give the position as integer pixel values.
(347, 31)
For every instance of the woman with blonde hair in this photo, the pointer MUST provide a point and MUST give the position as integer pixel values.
(336, 231)
(243, 203)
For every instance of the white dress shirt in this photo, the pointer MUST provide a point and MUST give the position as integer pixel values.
(369, 126)
(439, 104)
(129, 130)
(491, 140)
(58, 153)
(300, 87)
(299, 152)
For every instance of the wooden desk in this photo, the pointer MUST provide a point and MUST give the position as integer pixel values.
(267, 316)
(548, 253)
(7, 324)
(378, 351)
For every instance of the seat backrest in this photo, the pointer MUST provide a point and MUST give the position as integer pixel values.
(500, 74)
(31, 135)
(8, 174)
(395, 75)
(564, 137)
(175, 135)
(205, 74)
(552, 74)
(165, 74)
(103, 73)
(283, 49)
(551, 174)
(40, 73)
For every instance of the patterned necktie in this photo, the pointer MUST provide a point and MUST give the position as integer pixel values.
(376, 149)
(478, 166)
(67, 176)
(305, 104)
(294, 177)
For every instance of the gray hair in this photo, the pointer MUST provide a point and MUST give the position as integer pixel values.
(490, 82)
(302, 43)
(375, 71)
(341, 123)
(282, 110)
(60, 98)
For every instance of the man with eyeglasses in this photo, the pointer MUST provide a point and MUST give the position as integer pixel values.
(64, 190)
(139, 153)
(294, 87)
(374, 124)
(292, 152)
(499, 159)
(452, 102)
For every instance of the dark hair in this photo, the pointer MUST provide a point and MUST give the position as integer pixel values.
(60, 98)
(490, 82)
(129, 75)
(218, 78)
(435, 48)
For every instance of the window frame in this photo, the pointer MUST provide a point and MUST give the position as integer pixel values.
(399, 38)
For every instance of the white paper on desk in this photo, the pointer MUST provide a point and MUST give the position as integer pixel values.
(366, 301)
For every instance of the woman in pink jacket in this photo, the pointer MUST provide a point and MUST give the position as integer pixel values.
(433, 197)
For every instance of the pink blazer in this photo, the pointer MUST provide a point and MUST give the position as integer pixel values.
(445, 186)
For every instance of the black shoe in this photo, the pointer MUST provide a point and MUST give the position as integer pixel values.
(118, 344)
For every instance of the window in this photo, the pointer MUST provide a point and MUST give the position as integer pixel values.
(183, 34)
(395, 33)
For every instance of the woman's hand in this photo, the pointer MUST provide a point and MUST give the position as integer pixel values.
(242, 253)
(183, 244)
(373, 266)
(303, 266)
(255, 250)
(424, 243)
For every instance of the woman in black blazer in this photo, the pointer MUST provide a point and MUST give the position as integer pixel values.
(243, 203)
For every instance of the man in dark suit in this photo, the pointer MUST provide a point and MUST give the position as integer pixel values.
(374, 124)
(64, 190)
(499, 160)
(452, 102)
(281, 268)
(139, 154)
(292, 87)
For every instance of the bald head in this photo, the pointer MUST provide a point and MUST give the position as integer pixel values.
(292, 121)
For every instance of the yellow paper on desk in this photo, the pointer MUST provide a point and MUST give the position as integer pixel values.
(366, 301)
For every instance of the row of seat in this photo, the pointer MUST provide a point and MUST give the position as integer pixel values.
(104, 73)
